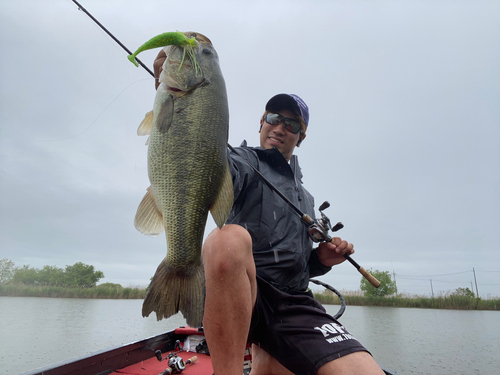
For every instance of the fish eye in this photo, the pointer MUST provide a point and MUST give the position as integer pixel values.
(207, 51)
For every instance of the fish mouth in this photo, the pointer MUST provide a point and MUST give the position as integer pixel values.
(174, 89)
(173, 85)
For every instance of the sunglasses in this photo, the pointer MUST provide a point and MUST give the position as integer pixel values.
(293, 126)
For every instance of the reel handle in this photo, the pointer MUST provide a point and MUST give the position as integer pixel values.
(321, 234)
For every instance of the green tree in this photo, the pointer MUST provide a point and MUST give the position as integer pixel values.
(386, 288)
(81, 275)
(463, 292)
(26, 275)
(51, 275)
(7, 270)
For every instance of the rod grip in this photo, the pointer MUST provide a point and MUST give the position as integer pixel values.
(192, 360)
(368, 276)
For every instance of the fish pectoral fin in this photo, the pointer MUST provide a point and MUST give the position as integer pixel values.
(148, 219)
(165, 115)
(146, 125)
(224, 202)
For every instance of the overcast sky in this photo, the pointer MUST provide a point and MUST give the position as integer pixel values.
(403, 141)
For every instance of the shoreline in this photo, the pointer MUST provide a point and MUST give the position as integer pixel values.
(116, 291)
(443, 301)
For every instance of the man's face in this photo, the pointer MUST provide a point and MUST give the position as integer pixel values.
(277, 136)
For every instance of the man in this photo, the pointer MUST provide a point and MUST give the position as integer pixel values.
(257, 267)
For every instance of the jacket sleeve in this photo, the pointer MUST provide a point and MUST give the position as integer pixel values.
(316, 268)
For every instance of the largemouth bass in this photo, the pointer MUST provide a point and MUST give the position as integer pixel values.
(189, 174)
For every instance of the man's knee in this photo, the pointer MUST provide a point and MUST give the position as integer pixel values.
(227, 249)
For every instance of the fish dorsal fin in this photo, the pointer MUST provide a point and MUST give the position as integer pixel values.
(224, 202)
(146, 125)
(148, 219)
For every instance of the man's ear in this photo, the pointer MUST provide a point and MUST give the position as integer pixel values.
(302, 137)
(261, 123)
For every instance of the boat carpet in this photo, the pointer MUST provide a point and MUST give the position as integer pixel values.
(202, 366)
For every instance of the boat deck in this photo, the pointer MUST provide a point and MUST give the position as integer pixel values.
(202, 366)
(141, 358)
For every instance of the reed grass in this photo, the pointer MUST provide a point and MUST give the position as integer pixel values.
(353, 298)
(98, 292)
(442, 301)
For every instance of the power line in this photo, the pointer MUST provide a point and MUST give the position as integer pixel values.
(443, 281)
(446, 274)
(450, 282)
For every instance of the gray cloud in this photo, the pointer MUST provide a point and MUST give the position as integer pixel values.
(403, 139)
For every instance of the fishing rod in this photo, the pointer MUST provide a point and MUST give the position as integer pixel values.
(80, 7)
(317, 229)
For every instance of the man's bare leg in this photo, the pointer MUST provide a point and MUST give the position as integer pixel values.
(358, 363)
(264, 364)
(231, 290)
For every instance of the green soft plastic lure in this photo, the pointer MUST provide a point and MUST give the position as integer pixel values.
(168, 39)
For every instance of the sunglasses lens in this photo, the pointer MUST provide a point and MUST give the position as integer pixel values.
(273, 118)
(292, 126)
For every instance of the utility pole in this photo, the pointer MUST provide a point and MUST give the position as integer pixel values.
(432, 290)
(477, 291)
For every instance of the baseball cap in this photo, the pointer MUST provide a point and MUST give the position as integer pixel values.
(282, 101)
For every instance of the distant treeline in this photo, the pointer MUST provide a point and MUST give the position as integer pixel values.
(76, 281)
(103, 291)
(116, 291)
(79, 281)
(460, 299)
(79, 275)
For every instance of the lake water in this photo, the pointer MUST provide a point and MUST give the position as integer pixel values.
(36, 332)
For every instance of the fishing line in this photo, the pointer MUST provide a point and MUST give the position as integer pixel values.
(95, 120)
(80, 7)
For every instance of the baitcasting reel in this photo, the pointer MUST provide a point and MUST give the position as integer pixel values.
(176, 364)
(318, 229)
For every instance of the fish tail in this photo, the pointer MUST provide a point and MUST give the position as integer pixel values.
(172, 291)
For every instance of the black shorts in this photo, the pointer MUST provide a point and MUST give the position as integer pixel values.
(297, 331)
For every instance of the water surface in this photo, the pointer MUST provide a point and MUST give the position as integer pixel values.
(36, 332)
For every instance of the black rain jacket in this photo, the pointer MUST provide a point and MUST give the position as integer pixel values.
(282, 249)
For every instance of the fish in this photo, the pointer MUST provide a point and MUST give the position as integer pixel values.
(189, 173)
